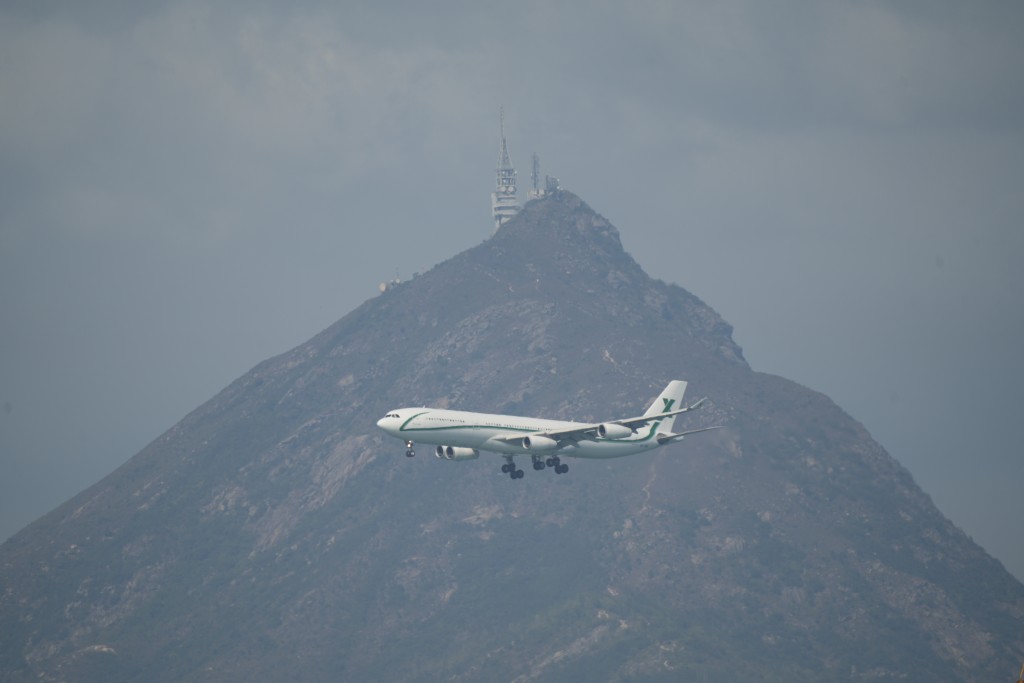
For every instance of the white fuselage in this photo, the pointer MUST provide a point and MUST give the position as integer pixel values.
(482, 431)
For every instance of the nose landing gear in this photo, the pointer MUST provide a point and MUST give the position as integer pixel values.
(409, 452)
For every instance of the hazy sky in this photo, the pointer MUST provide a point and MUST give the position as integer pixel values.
(186, 190)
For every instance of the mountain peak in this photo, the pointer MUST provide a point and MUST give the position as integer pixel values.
(560, 252)
(559, 231)
(564, 216)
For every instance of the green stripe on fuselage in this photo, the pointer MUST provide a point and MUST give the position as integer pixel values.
(524, 430)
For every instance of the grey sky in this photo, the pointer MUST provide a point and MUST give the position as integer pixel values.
(187, 190)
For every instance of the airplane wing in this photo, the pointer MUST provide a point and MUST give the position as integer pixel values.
(588, 432)
(668, 438)
(635, 422)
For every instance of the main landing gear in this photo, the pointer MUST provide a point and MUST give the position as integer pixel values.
(555, 462)
(509, 468)
(539, 463)
(409, 452)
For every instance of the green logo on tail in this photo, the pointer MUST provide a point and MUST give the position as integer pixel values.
(669, 402)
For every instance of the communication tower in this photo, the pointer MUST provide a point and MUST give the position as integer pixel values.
(536, 192)
(550, 184)
(504, 203)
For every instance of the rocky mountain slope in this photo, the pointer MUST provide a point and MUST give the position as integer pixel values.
(275, 534)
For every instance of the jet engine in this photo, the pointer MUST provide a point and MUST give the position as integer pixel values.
(610, 430)
(456, 453)
(539, 443)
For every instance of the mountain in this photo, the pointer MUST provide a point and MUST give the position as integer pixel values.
(276, 534)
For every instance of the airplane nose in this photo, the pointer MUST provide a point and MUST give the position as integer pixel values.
(380, 422)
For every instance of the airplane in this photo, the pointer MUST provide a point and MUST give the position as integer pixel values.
(461, 435)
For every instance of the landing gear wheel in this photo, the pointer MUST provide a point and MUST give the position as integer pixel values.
(538, 463)
(561, 469)
(518, 474)
(509, 468)
(409, 452)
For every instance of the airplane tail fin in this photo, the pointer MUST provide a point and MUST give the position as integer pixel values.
(670, 399)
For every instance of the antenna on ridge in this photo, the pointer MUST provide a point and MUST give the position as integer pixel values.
(550, 183)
